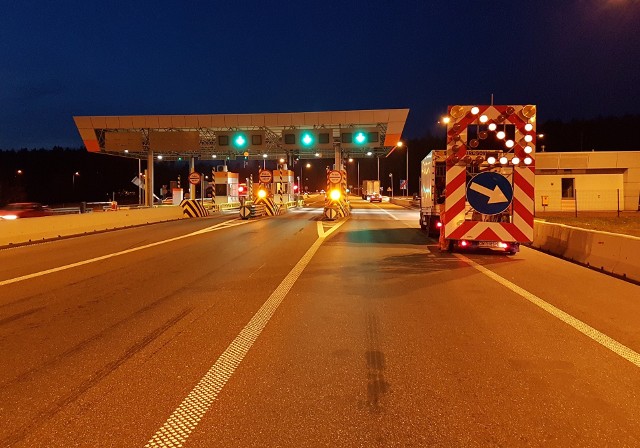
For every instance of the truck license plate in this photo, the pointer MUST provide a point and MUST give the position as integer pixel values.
(488, 244)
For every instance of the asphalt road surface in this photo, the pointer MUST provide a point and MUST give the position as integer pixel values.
(294, 332)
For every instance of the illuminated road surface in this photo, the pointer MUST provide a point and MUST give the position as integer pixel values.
(292, 332)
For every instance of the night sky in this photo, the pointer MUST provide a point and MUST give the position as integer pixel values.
(575, 59)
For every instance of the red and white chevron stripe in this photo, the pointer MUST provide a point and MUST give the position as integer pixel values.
(457, 219)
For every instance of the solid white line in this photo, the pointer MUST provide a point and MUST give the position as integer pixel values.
(601, 338)
(220, 226)
(185, 418)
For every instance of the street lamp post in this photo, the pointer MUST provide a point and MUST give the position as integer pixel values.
(391, 176)
(400, 145)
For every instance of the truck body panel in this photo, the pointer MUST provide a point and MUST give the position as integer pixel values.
(369, 187)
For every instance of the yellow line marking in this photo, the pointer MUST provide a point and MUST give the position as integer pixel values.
(181, 423)
(583, 328)
(213, 228)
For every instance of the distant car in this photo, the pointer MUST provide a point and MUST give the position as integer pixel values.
(375, 197)
(416, 197)
(24, 210)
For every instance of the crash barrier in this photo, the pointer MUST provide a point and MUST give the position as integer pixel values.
(67, 211)
(229, 205)
(251, 210)
(610, 252)
(191, 208)
(27, 230)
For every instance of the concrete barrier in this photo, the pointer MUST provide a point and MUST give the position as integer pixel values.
(48, 227)
(609, 252)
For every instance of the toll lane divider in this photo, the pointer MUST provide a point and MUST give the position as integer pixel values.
(192, 208)
(21, 231)
(251, 210)
(609, 252)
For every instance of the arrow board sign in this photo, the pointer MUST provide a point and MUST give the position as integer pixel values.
(489, 193)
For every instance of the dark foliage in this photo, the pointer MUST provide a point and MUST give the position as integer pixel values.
(48, 175)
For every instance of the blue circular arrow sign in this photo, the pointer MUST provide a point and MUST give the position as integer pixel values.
(489, 193)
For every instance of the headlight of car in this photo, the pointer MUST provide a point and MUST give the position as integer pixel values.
(8, 217)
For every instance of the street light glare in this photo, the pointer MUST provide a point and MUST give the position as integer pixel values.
(446, 120)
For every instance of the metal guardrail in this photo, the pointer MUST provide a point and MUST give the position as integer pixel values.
(67, 211)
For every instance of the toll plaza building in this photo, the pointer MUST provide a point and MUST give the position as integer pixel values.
(273, 136)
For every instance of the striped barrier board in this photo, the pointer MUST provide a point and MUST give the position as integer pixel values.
(269, 206)
(192, 208)
(456, 226)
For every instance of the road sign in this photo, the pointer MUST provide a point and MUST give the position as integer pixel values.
(330, 213)
(245, 212)
(265, 176)
(403, 184)
(194, 178)
(489, 193)
(335, 177)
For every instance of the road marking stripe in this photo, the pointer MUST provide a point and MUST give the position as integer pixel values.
(393, 216)
(188, 414)
(601, 338)
(213, 228)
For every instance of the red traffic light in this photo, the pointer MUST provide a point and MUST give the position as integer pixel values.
(295, 188)
(242, 189)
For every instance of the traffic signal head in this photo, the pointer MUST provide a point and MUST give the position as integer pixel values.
(295, 188)
(241, 140)
(318, 138)
(360, 137)
(307, 139)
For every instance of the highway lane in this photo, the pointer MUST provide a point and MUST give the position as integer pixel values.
(382, 340)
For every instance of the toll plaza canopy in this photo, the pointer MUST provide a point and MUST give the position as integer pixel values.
(356, 133)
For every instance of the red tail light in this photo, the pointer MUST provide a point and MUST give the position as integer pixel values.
(438, 224)
(463, 243)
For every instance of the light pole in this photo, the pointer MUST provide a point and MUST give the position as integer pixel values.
(73, 179)
(400, 145)
(308, 165)
(445, 121)
(391, 176)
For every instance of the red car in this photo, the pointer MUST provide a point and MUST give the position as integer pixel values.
(375, 197)
(24, 210)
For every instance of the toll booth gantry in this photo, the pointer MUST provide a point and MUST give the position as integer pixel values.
(271, 136)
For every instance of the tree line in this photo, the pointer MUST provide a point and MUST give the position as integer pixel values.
(48, 175)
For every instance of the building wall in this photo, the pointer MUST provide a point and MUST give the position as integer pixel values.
(592, 192)
(591, 171)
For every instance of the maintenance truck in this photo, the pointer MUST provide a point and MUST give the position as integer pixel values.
(479, 192)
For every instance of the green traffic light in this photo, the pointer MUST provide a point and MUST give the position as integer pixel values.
(360, 138)
(240, 141)
(307, 139)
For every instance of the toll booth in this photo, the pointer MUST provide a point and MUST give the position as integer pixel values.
(177, 196)
(225, 187)
(282, 185)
